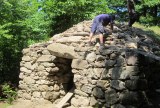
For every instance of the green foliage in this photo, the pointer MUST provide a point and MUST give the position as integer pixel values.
(116, 3)
(21, 23)
(4, 32)
(11, 41)
(148, 9)
(151, 3)
(147, 20)
(36, 28)
(120, 8)
(9, 93)
(147, 3)
(69, 12)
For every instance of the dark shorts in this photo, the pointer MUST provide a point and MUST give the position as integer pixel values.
(97, 27)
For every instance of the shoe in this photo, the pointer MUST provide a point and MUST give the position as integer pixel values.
(102, 44)
(101, 47)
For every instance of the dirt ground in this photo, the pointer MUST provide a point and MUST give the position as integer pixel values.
(154, 99)
(3, 105)
(29, 104)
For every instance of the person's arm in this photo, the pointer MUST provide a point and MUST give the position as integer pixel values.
(111, 25)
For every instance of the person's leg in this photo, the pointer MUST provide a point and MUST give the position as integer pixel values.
(93, 29)
(101, 31)
(101, 39)
(102, 46)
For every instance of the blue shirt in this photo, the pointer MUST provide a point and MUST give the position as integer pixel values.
(105, 19)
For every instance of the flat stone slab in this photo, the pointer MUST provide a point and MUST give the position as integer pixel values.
(70, 39)
(61, 50)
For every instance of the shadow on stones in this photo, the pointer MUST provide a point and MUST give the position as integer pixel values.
(63, 76)
(152, 72)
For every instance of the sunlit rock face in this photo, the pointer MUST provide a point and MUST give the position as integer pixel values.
(116, 76)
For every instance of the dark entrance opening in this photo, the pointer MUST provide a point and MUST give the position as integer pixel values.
(64, 75)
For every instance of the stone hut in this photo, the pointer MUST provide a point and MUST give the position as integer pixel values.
(118, 76)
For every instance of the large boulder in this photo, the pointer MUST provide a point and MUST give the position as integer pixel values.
(61, 50)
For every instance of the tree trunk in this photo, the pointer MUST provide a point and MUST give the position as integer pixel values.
(155, 10)
(144, 11)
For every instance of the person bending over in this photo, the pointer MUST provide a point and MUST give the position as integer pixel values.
(98, 26)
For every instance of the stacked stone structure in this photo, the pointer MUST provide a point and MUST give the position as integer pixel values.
(115, 77)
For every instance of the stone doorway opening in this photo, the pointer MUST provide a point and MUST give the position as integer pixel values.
(63, 75)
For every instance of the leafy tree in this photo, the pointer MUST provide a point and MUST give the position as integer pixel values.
(120, 8)
(149, 9)
(21, 24)
(69, 12)
(10, 15)
(24, 22)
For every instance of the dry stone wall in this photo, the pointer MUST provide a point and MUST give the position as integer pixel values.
(111, 78)
(42, 75)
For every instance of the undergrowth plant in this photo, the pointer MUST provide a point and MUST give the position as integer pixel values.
(9, 94)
